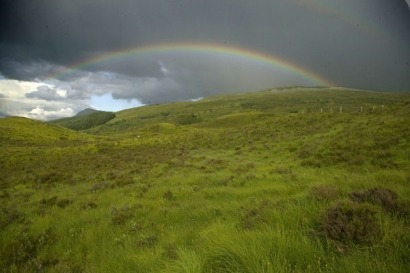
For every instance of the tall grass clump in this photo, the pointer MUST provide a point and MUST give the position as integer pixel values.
(189, 261)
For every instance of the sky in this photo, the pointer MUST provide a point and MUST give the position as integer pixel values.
(58, 57)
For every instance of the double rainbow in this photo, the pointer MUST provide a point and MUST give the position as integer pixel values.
(197, 48)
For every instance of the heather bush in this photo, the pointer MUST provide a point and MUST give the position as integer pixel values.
(384, 197)
(350, 222)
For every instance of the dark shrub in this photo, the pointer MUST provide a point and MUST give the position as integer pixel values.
(62, 203)
(170, 252)
(168, 195)
(147, 241)
(254, 216)
(89, 205)
(250, 219)
(121, 215)
(403, 210)
(10, 215)
(386, 198)
(24, 248)
(99, 186)
(324, 192)
(48, 201)
(51, 177)
(350, 222)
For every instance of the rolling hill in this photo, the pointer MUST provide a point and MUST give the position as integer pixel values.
(85, 119)
(269, 102)
(19, 131)
(295, 180)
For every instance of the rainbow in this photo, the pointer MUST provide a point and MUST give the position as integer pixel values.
(196, 48)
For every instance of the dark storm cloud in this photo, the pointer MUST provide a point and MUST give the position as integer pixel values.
(66, 30)
(353, 43)
(28, 70)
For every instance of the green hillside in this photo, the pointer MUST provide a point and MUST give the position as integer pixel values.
(18, 131)
(86, 119)
(299, 180)
(211, 110)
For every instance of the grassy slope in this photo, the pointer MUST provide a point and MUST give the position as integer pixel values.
(226, 184)
(85, 120)
(304, 100)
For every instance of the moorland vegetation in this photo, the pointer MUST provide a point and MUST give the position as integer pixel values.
(293, 180)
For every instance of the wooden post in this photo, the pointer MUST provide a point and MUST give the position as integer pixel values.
(321, 110)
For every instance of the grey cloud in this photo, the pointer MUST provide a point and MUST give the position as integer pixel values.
(145, 89)
(45, 93)
(182, 79)
(87, 84)
(27, 69)
(361, 44)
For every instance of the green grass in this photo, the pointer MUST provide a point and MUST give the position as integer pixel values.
(85, 120)
(237, 183)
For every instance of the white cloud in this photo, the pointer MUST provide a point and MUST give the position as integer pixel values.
(47, 92)
(197, 99)
(41, 113)
(164, 70)
(47, 103)
(17, 89)
(51, 98)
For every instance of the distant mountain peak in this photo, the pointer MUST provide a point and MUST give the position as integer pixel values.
(86, 112)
